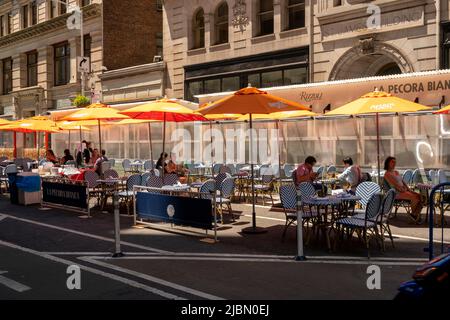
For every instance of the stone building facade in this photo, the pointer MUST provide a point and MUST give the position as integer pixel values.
(221, 45)
(38, 51)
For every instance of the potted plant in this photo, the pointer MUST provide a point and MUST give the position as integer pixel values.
(81, 101)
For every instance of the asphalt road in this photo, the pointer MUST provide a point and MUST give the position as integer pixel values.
(36, 247)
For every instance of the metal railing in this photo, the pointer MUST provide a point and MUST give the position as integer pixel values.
(444, 203)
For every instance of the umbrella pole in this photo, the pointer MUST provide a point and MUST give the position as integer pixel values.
(279, 151)
(100, 136)
(212, 156)
(378, 148)
(164, 145)
(46, 141)
(69, 141)
(253, 229)
(150, 142)
(15, 144)
(36, 144)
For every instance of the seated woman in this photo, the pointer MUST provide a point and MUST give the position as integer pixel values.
(67, 157)
(50, 156)
(162, 162)
(395, 181)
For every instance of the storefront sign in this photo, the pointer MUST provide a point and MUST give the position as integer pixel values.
(178, 210)
(67, 195)
(390, 21)
(428, 87)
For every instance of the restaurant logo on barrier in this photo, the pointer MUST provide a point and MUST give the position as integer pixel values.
(308, 97)
(170, 211)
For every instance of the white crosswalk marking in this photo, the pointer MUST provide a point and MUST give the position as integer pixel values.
(16, 286)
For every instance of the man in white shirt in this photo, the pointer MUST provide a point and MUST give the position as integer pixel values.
(352, 173)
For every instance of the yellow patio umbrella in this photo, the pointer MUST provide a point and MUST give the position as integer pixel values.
(377, 102)
(4, 122)
(163, 110)
(98, 112)
(251, 101)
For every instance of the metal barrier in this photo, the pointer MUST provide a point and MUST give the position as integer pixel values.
(440, 188)
(63, 193)
(191, 209)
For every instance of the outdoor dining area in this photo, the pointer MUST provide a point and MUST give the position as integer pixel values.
(333, 207)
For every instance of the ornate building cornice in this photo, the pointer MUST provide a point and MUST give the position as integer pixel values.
(89, 12)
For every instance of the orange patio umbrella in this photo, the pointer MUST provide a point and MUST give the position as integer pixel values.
(98, 112)
(251, 101)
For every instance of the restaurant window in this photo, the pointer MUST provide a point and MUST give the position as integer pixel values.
(25, 16)
(9, 23)
(62, 64)
(2, 26)
(34, 13)
(254, 80)
(222, 23)
(445, 64)
(7, 75)
(212, 86)
(32, 69)
(62, 6)
(199, 29)
(53, 5)
(272, 79)
(87, 46)
(159, 44)
(296, 14)
(295, 76)
(265, 17)
(194, 88)
(231, 84)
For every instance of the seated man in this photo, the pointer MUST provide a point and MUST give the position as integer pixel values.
(98, 163)
(352, 174)
(305, 173)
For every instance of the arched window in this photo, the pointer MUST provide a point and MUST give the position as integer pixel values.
(296, 14)
(265, 17)
(222, 23)
(198, 27)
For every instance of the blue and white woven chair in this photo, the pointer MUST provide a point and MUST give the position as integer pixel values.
(416, 178)
(363, 227)
(219, 179)
(148, 165)
(431, 175)
(288, 169)
(216, 169)
(225, 169)
(208, 189)
(232, 168)
(126, 165)
(226, 191)
(127, 195)
(442, 176)
(407, 176)
(320, 171)
(365, 190)
(331, 171)
(386, 211)
(145, 176)
(170, 179)
(155, 182)
(265, 188)
(91, 179)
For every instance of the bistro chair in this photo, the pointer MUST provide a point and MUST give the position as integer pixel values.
(265, 188)
(407, 176)
(224, 199)
(288, 169)
(126, 164)
(225, 169)
(219, 179)
(148, 165)
(127, 195)
(155, 182)
(416, 178)
(387, 206)
(431, 175)
(144, 177)
(331, 171)
(363, 227)
(91, 178)
(442, 176)
(232, 168)
(111, 173)
(216, 169)
(365, 190)
(170, 179)
(320, 171)
(399, 203)
(208, 189)
(10, 168)
(239, 166)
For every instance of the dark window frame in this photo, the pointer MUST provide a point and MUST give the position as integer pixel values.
(64, 58)
(25, 16)
(445, 46)
(295, 24)
(260, 13)
(34, 13)
(220, 22)
(32, 67)
(7, 83)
